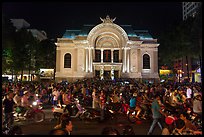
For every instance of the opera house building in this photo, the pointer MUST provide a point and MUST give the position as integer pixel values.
(106, 51)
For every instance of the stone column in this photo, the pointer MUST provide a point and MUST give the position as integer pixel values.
(128, 61)
(90, 60)
(123, 69)
(87, 60)
(155, 57)
(125, 60)
(139, 60)
(112, 55)
(101, 55)
(58, 59)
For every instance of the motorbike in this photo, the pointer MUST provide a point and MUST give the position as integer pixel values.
(76, 110)
(92, 114)
(144, 114)
(35, 113)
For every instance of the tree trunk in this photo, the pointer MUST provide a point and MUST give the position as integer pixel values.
(12, 74)
(21, 74)
(29, 74)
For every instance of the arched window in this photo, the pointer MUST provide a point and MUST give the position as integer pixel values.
(67, 60)
(146, 61)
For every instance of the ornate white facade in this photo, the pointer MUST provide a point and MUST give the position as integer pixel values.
(107, 50)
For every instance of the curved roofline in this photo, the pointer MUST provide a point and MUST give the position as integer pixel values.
(99, 26)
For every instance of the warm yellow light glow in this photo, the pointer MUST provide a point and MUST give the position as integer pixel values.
(164, 72)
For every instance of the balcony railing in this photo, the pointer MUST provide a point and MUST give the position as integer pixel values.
(114, 61)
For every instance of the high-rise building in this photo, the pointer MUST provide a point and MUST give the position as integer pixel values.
(189, 65)
(190, 9)
(39, 35)
(21, 23)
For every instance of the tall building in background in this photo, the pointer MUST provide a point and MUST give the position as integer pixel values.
(21, 23)
(38, 34)
(190, 9)
(106, 51)
(188, 67)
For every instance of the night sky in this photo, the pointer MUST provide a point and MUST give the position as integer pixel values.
(54, 18)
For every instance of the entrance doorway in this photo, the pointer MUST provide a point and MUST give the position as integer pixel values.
(116, 74)
(97, 73)
(107, 74)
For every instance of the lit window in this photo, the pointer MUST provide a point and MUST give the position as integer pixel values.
(146, 61)
(67, 60)
(107, 56)
(116, 55)
(97, 55)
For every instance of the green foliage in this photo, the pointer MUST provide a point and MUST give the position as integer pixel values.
(45, 57)
(8, 43)
(184, 39)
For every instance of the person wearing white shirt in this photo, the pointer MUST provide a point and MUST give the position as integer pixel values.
(55, 94)
(188, 95)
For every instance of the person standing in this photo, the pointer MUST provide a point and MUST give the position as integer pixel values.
(156, 114)
(95, 101)
(55, 95)
(60, 98)
(8, 105)
(102, 104)
(67, 100)
(188, 95)
(17, 98)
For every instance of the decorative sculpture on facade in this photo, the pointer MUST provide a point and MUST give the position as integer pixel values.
(107, 19)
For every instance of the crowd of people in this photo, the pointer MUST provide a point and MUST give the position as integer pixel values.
(99, 93)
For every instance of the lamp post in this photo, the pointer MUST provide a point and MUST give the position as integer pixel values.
(187, 68)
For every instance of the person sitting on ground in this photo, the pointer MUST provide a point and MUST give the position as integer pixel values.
(109, 131)
(65, 123)
(58, 131)
(128, 130)
(184, 116)
(181, 129)
(16, 130)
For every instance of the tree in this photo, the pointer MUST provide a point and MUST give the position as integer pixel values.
(196, 35)
(8, 32)
(180, 41)
(23, 50)
(45, 57)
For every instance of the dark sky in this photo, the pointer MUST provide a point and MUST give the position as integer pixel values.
(55, 18)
